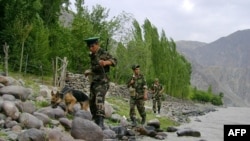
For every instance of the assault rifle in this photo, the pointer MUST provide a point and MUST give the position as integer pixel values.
(107, 43)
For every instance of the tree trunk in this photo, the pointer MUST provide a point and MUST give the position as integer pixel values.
(21, 59)
(6, 57)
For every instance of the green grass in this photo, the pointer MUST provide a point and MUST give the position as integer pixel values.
(41, 104)
(3, 135)
(32, 80)
(121, 107)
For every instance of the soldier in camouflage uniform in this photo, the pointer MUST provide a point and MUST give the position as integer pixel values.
(157, 90)
(100, 61)
(138, 95)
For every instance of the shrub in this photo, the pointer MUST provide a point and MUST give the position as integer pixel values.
(201, 96)
(216, 100)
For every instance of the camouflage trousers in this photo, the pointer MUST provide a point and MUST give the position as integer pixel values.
(156, 103)
(97, 98)
(139, 104)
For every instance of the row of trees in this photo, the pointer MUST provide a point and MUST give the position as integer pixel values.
(38, 31)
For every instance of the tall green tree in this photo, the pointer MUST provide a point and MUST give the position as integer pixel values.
(18, 17)
(36, 34)
(90, 23)
(38, 50)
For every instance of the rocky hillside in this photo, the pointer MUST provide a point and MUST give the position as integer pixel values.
(223, 64)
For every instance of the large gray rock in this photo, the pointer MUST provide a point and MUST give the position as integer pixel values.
(66, 123)
(27, 107)
(108, 110)
(109, 134)
(154, 122)
(85, 129)
(30, 121)
(44, 118)
(10, 109)
(83, 114)
(32, 135)
(45, 91)
(56, 135)
(8, 97)
(188, 132)
(12, 81)
(19, 92)
(52, 112)
(3, 80)
(10, 123)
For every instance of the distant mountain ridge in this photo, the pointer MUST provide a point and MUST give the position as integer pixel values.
(223, 64)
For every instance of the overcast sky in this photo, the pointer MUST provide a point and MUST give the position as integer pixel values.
(196, 20)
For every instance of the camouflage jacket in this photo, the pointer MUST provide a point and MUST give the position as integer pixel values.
(139, 85)
(156, 90)
(98, 72)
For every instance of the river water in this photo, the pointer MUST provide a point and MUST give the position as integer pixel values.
(211, 125)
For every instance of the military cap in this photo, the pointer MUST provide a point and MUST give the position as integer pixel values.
(135, 66)
(156, 79)
(91, 40)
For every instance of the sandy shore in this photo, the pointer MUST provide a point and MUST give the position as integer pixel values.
(212, 124)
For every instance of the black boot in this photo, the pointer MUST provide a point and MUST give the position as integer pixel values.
(99, 122)
(159, 110)
(133, 119)
(143, 120)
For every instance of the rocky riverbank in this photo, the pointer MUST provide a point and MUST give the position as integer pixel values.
(180, 110)
(210, 125)
(22, 120)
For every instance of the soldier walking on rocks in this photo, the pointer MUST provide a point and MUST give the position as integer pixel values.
(138, 94)
(100, 61)
(157, 90)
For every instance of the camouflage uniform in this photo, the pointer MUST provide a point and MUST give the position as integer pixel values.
(137, 99)
(156, 88)
(100, 82)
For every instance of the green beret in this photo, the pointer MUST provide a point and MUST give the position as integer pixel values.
(135, 66)
(91, 40)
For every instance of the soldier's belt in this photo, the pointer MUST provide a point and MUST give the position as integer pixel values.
(137, 96)
(100, 74)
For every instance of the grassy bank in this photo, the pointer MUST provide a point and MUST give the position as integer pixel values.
(121, 107)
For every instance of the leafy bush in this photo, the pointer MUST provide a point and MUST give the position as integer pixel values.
(201, 96)
(216, 100)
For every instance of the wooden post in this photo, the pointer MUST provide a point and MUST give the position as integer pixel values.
(63, 72)
(26, 64)
(56, 78)
(6, 57)
(53, 70)
(59, 80)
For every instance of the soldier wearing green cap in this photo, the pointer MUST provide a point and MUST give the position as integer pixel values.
(138, 94)
(157, 90)
(100, 61)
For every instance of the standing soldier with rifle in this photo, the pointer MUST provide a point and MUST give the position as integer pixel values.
(100, 61)
(138, 94)
(157, 90)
